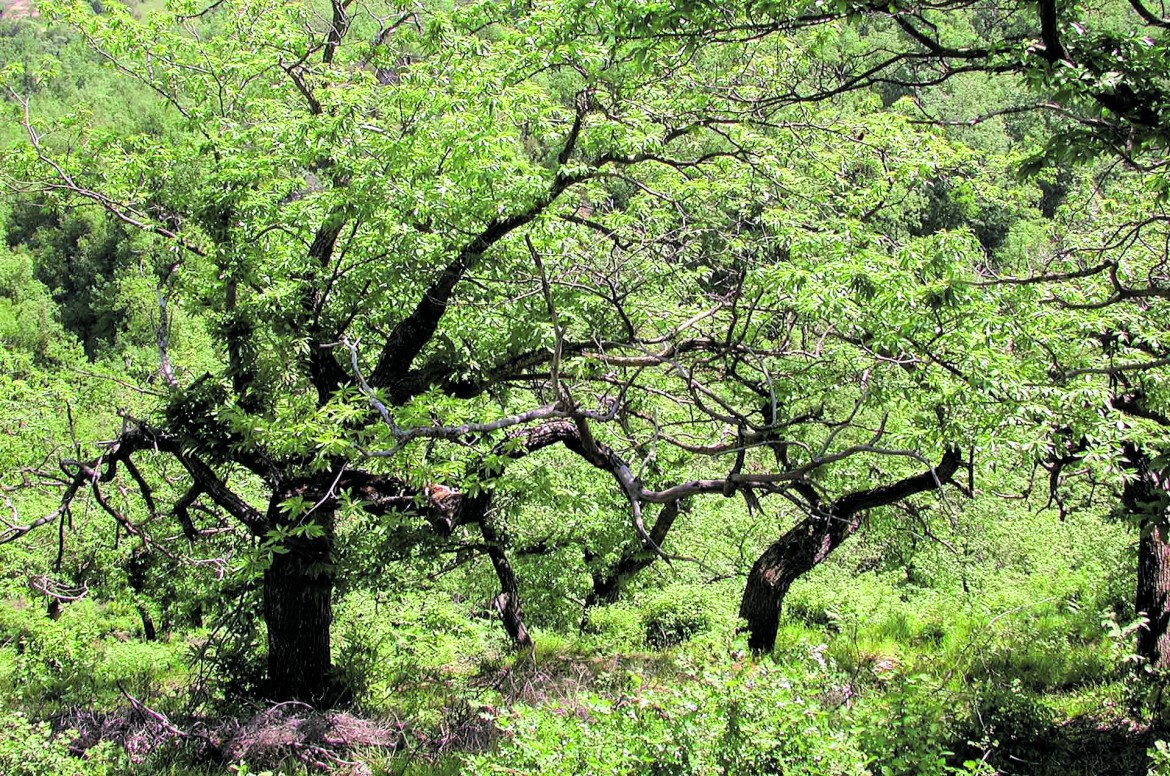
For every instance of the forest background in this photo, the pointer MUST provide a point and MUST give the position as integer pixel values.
(584, 387)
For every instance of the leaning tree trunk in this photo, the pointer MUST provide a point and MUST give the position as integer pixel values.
(794, 555)
(298, 611)
(507, 603)
(1144, 496)
(812, 540)
(609, 583)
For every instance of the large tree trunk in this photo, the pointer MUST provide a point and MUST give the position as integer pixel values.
(1144, 496)
(298, 611)
(1153, 597)
(785, 561)
(607, 586)
(812, 540)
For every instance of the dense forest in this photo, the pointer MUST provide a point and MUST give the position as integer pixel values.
(585, 387)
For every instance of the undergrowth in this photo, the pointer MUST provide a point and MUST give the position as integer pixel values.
(937, 668)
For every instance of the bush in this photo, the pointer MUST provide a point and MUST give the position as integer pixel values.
(28, 749)
(1010, 716)
(84, 657)
(1159, 755)
(676, 614)
(726, 718)
(909, 729)
(617, 626)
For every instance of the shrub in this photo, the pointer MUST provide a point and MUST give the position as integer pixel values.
(909, 729)
(726, 718)
(28, 749)
(676, 614)
(1159, 755)
(1009, 714)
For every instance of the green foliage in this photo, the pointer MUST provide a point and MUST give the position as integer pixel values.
(1159, 759)
(618, 626)
(730, 719)
(31, 749)
(388, 647)
(907, 729)
(29, 320)
(848, 251)
(90, 655)
(676, 614)
(1009, 715)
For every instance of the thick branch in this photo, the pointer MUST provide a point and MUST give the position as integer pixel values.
(412, 333)
(811, 541)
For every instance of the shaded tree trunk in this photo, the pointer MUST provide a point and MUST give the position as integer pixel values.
(782, 563)
(1145, 497)
(298, 612)
(1153, 597)
(608, 583)
(149, 631)
(507, 603)
(136, 575)
(812, 540)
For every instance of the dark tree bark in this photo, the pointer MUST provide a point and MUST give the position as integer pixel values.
(149, 631)
(136, 575)
(812, 540)
(781, 564)
(1145, 496)
(507, 603)
(608, 583)
(298, 612)
(1153, 597)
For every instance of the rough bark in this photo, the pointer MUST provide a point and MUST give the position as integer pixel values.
(812, 540)
(1153, 597)
(1144, 496)
(781, 564)
(298, 612)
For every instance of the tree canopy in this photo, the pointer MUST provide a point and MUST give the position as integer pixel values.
(524, 286)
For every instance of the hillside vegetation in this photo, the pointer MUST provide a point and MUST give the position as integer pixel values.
(584, 388)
